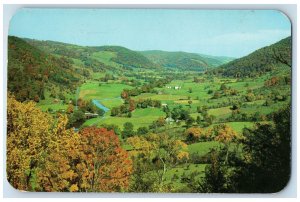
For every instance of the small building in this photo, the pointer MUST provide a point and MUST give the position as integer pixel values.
(89, 115)
(164, 104)
(177, 87)
(169, 120)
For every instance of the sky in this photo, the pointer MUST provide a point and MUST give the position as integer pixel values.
(233, 33)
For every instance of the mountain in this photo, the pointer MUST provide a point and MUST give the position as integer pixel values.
(260, 61)
(31, 70)
(184, 60)
(101, 57)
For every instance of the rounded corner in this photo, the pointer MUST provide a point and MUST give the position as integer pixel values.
(285, 186)
(285, 15)
(12, 186)
(12, 17)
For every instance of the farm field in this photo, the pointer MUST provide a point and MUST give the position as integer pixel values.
(94, 90)
(140, 118)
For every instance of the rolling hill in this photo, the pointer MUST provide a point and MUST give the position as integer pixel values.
(114, 57)
(260, 61)
(101, 57)
(31, 70)
(184, 60)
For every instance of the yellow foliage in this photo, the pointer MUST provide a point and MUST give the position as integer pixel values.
(226, 134)
(73, 188)
(27, 139)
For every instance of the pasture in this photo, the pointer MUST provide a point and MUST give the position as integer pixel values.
(140, 118)
(99, 91)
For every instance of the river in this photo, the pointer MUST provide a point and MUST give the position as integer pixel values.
(98, 104)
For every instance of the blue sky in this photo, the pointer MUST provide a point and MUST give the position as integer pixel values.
(232, 33)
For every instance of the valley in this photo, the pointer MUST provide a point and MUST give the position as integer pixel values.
(189, 99)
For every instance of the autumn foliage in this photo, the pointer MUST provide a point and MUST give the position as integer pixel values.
(42, 155)
(104, 165)
(27, 137)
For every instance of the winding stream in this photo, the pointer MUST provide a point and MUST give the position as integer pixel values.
(98, 103)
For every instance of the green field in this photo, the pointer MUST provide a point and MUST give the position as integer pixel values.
(202, 148)
(140, 118)
(238, 126)
(92, 90)
(105, 57)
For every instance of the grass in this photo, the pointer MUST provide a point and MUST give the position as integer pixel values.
(162, 97)
(92, 90)
(112, 103)
(222, 112)
(49, 102)
(140, 117)
(56, 107)
(237, 126)
(105, 57)
(202, 148)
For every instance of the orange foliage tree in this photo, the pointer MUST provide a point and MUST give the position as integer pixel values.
(42, 155)
(104, 165)
(193, 134)
(57, 171)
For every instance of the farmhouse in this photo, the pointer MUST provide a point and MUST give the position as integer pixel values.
(164, 104)
(89, 115)
(169, 120)
(177, 87)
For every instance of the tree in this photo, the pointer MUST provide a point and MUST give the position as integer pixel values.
(223, 87)
(131, 105)
(142, 130)
(76, 119)
(226, 135)
(36, 98)
(216, 95)
(265, 166)
(210, 91)
(27, 137)
(214, 180)
(114, 111)
(190, 90)
(250, 97)
(154, 155)
(70, 109)
(193, 134)
(127, 130)
(198, 120)
(57, 171)
(104, 165)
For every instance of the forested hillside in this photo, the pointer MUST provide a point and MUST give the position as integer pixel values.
(101, 57)
(184, 61)
(30, 70)
(260, 61)
(127, 58)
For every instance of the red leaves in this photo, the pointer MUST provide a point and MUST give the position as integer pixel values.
(42, 155)
(107, 163)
